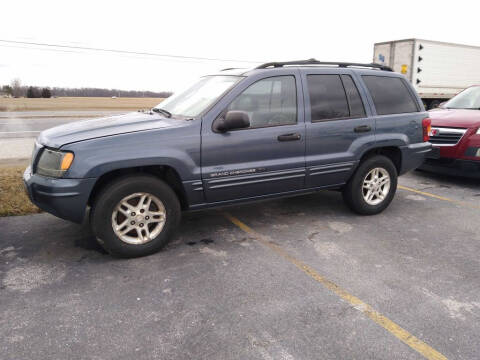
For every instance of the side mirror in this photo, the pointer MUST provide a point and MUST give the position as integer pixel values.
(442, 105)
(232, 120)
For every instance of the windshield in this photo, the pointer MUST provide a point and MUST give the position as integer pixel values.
(199, 96)
(467, 99)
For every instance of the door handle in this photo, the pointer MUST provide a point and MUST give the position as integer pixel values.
(362, 128)
(289, 137)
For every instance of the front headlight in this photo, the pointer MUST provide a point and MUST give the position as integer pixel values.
(478, 131)
(54, 163)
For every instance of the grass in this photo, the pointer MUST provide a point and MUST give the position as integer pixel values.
(77, 103)
(13, 199)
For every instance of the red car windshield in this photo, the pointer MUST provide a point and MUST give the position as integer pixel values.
(467, 99)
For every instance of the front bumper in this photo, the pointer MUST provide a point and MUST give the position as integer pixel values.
(453, 167)
(65, 198)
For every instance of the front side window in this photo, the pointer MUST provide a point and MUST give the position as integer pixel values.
(390, 95)
(269, 102)
(199, 96)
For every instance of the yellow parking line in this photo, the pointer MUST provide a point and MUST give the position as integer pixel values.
(458, 202)
(402, 334)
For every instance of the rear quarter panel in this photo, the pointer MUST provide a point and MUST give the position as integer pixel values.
(396, 129)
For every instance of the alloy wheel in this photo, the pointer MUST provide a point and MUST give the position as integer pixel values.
(138, 218)
(376, 186)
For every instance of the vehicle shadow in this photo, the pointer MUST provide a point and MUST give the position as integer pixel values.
(87, 240)
(202, 227)
(195, 228)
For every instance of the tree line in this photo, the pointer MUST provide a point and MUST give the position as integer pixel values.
(16, 89)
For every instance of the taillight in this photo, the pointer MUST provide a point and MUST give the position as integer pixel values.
(427, 127)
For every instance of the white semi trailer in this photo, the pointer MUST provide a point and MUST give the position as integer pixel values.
(437, 70)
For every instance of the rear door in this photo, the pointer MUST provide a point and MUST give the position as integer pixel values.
(269, 156)
(338, 125)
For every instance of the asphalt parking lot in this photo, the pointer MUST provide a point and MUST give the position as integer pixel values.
(294, 278)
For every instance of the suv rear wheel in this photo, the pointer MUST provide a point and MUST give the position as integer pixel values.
(135, 216)
(371, 189)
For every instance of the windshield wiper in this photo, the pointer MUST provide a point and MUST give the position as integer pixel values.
(162, 111)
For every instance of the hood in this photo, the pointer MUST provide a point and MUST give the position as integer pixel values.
(455, 118)
(106, 126)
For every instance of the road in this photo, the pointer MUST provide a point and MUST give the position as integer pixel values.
(19, 129)
(293, 278)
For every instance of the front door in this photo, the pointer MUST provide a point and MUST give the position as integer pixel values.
(266, 158)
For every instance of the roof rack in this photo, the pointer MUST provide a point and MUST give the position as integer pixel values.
(316, 62)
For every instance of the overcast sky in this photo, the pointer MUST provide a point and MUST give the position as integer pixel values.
(240, 30)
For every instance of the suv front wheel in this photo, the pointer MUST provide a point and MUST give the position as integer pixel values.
(371, 189)
(135, 216)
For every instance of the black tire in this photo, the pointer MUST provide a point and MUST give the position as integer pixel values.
(353, 191)
(112, 194)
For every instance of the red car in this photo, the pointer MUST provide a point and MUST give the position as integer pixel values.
(455, 135)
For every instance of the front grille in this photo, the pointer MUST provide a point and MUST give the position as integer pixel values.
(442, 136)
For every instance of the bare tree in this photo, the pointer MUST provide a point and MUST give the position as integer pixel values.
(46, 93)
(16, 85)
(96, 92)
(16, 90)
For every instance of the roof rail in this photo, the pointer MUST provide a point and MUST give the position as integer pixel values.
(316, 62)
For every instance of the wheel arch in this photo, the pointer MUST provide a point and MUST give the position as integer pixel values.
(166, 173)
(392, 152)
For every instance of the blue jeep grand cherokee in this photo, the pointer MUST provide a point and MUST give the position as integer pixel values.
(279, 129)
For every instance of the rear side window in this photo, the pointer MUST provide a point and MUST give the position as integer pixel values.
(334, 97)
(390, 95)
(354, 99)
(327, 97)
